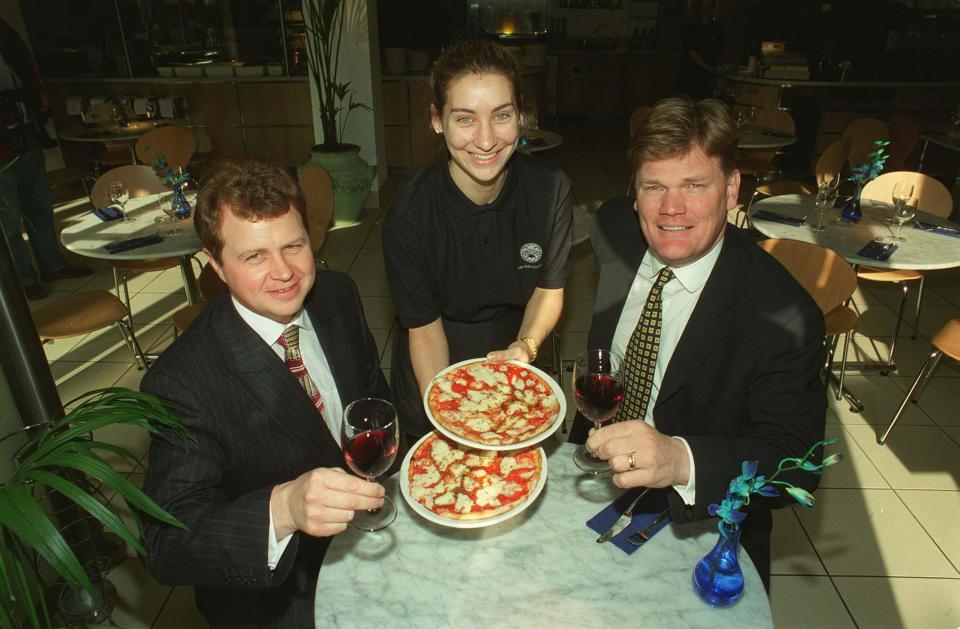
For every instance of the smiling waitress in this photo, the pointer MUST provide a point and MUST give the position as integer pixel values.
(477, 246)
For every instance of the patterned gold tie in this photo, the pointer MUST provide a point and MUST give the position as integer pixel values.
(290, 341)
(640, 359)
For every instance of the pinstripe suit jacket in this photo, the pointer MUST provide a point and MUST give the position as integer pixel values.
(255, 427)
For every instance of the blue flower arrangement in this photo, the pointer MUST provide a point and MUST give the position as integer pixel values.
(748, 483)
(870, 169)
(174, 178)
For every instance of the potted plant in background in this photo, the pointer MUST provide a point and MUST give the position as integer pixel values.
(62, 456)
(350, 174)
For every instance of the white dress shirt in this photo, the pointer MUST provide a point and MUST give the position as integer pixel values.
(679, 297)
(319, 369)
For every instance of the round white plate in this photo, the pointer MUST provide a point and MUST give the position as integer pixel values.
(429, 515)
(557, 421)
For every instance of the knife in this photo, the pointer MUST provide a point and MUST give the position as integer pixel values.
(624, 520)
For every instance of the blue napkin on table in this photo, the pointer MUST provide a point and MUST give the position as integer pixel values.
(133, 243)
(877, 250)
(109, 213)
(937, 229)
(649, 508)
(776, 217)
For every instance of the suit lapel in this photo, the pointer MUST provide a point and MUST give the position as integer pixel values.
(264, 375)
(708, 324)
(616, 279)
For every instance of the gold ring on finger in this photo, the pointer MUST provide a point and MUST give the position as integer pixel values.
(630, 462)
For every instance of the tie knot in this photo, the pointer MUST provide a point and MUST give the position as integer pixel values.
(664, 276)
(290, 337)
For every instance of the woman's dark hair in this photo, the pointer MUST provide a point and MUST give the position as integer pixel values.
(472, 56)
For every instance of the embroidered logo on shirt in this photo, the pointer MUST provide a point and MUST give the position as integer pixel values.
(531, 253)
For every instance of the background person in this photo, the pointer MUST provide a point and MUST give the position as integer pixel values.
(477, 246)
(262, 489)
(731, 371)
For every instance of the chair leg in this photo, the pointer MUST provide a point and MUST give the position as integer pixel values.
(916, 320)
(925, 372)
(130, 337)
(904, 288)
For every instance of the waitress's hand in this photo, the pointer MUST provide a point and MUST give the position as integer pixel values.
(515, 351)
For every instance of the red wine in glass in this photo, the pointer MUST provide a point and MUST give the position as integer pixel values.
(370, 454)
(598, 391)
(598, 396)
(369, 436)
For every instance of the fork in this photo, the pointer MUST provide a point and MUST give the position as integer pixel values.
(642, 537)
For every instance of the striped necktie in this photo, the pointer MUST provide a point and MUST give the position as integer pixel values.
(640, 359)
(290, 341)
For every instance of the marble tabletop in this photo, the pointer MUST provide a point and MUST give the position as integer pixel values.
(550, 139)
(758, 139)
(540, 569)
(920, 251)
(113, 132)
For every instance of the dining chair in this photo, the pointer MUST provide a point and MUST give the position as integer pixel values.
(904, 138)
(862, 133)
(176, 144)
(760, 163)
(85, 312)
(947, 341)
(933, 198)
(211, 287)
(318, 191)
(830, 280)
(833, 160)
(140, 181)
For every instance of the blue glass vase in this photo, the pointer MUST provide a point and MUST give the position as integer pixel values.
(717, 577)
(852, 211)
(181, 206)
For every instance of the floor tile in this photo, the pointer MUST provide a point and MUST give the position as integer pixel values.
(914, 457)
(338, 259)
(941, 399)
(380, 335)
(180, 612)
(576, 317)
(856, 470)
(368, 260)
(75, 378)
(371, 283)
(378, 310)
(870, 532)
(58, 348)
(139, 596)
(932, 318)
(801, 602)
(156, 307)
(938, 513)
(169, 281)
(791, 551)
(876, 319)
(881, 398)
(131, 438)
(107, 345)
(346, 238)
(902, 603)
(954, 432)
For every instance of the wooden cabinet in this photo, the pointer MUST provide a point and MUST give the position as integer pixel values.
(411, 142)
(604, 85)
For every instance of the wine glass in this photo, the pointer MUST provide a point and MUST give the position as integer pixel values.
(120, 195)
(826, 197)
(902, 193)
(903, 214)
(369, 436)
(598, 390)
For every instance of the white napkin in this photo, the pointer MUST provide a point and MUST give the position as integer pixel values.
(166, 108)
(139, 105)
(74, 106)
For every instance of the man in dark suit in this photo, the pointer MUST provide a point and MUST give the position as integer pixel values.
(721, 347)
(261, 490)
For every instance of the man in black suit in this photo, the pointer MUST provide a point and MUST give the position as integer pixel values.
(261, 490)
(733, 371)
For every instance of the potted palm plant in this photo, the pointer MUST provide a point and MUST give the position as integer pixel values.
(63, 457)
(350, 174)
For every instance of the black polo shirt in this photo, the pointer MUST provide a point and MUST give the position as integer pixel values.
(449, 257)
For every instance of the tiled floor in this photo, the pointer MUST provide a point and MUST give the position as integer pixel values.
(881, 548)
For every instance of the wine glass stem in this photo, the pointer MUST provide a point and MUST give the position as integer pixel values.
(373, 479)
(820, 221)
(899, 225)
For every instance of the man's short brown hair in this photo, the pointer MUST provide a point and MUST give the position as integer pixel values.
(675, 125)
(253, 189)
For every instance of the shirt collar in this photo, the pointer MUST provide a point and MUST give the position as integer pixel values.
(505, 201)
(692, 276)
(268, 329)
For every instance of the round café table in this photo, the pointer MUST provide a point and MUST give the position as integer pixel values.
(114, 133)
(88, 236)
(544, 140)
(758, 139)
(542, 568)
(922, 250)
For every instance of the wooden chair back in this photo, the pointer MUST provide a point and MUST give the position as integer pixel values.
(862, 133)
(904, 138)
(784, 186)
(318, 191)
(140, 180)
(770, 119)
(932, 196)
(176, 144)
(828, 278)
(947, 339)
(637, 117)
(832, 160)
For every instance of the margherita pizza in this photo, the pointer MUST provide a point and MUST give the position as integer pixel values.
(461, 483)
(493, 403)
